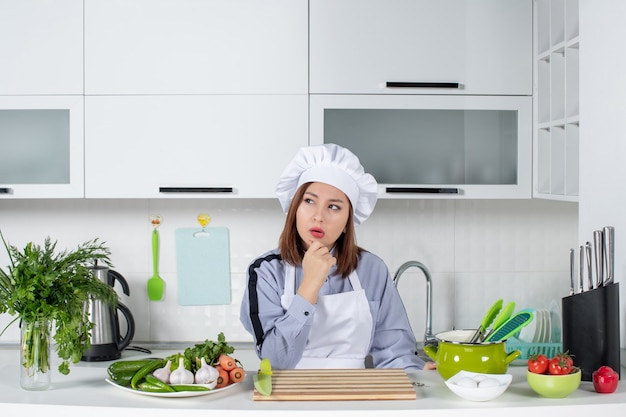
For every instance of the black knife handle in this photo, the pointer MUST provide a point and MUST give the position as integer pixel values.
(421, 84)
(195, 189)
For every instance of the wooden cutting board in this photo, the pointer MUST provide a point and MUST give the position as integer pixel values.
(339, 385)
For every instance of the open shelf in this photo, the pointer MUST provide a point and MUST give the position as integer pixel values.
(556, 99)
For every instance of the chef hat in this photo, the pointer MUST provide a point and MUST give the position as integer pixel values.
(332, 165)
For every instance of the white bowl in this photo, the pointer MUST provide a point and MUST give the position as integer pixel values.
(487, 386)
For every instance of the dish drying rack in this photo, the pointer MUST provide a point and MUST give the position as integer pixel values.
(527, 349)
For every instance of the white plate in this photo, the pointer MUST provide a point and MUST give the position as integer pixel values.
(555, 319)
(544, 326)
(539, 316)
(538, 326)
(547, 331)
(528, 332)
(172, 394)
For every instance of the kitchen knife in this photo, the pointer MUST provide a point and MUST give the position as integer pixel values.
(589, 271)
(598, 243)
(609, 253)
(571, 272)
(581, 268)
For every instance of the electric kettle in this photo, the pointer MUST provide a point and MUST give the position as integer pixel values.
(106, 341)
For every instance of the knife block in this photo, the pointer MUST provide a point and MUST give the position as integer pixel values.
(591, 332)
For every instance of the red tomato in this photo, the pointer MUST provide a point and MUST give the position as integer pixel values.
(561, 364)
(538, 363)
(605, 380)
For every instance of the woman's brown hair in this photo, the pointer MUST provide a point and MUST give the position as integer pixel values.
(292, 248)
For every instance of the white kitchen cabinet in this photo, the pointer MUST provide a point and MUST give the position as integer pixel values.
(358, 46)
(556, 120)
(191, 146)
(41, 147)
(41, 47)
(196, 47)
(442, 146)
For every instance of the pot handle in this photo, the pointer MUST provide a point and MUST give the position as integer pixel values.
(123, 342)
(431, 351)
(512, 356)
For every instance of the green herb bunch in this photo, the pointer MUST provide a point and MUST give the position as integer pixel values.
(209, 350)
(40, 284)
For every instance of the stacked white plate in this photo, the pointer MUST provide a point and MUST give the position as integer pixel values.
(540, 330)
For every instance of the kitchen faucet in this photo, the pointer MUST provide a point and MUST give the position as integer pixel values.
(428, 336)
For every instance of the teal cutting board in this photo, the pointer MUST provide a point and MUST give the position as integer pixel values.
(203, 266)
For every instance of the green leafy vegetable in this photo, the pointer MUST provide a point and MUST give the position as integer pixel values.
(40, 284)
(209, 350)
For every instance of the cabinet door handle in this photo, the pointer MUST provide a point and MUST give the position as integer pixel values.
(406, 84)
(6, 190)
(195, 189)
(422, 190)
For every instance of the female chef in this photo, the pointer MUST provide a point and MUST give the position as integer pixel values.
(319, 300)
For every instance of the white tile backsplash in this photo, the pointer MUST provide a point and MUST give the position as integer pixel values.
(476, 250)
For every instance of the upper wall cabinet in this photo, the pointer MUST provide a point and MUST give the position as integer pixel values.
(196, 47)
(41, 147)
(190, 146)
(421, 46)
(41, 47)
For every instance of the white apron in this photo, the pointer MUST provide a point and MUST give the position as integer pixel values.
(341, 329)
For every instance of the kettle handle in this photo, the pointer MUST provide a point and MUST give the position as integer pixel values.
(113, 276)
(123, 342)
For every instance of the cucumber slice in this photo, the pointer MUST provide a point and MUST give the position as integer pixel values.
(263, 384)
(265, 368)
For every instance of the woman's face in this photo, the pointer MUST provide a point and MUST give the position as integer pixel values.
(322, 214)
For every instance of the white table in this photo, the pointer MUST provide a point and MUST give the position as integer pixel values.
(84, 393)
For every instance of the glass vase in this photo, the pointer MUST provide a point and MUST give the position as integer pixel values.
(35, 344)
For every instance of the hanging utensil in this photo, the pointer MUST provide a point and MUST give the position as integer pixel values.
(503, 316)
(155, 283)
(487, 320)
(511, 326)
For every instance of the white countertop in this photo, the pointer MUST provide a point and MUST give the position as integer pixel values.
(84, 392)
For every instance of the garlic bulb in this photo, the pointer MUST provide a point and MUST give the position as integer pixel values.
(206, 374)
(163, 374)
(181, 375)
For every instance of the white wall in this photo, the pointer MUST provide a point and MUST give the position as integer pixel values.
(602, 138)
(477, 251)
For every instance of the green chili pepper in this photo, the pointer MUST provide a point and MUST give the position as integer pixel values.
(180, 388)
(144, 386)
(153, 380)
(127, 366)
(122, 379)
(147, 369)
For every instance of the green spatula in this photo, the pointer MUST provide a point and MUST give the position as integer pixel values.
(491, 314)
(156, 283)
(511, 326)
(504, 315)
